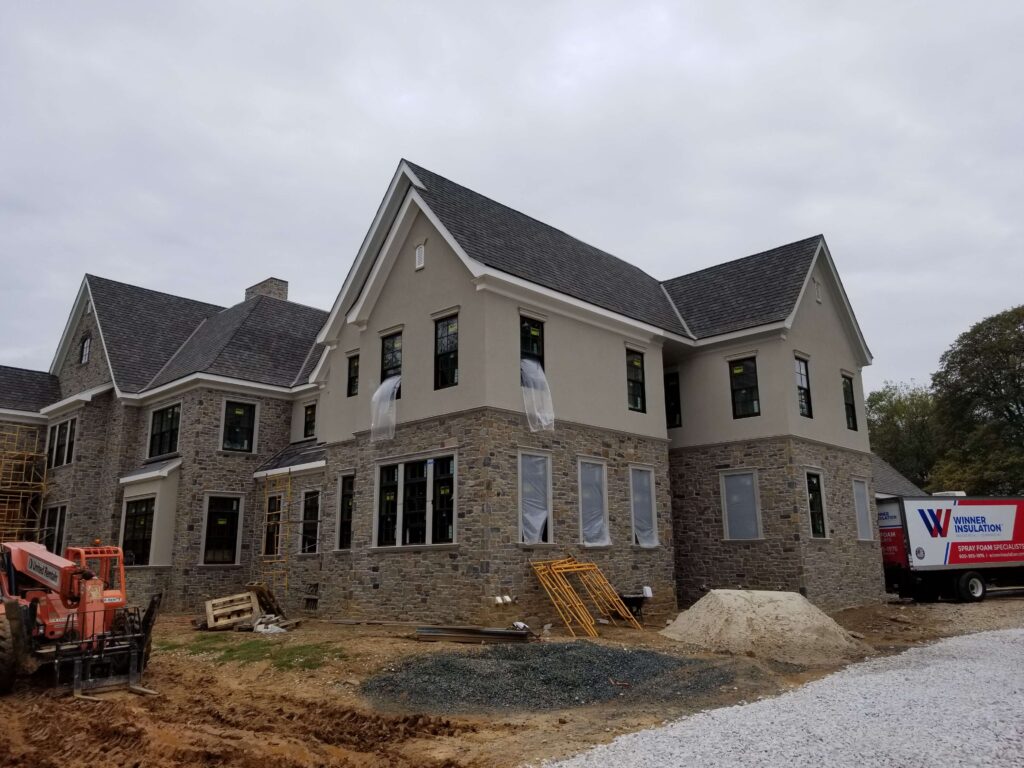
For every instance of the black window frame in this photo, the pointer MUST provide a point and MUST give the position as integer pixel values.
(416, 502)
(446, 352)
(242, 430)
(444, 488)
(346, 508)
(390, 356)
(60, 449)
(166, 437)
(309, 532)
(309, 420)
(272, 529)
(802, 369)
(816, 505)
(741, 394)
(52, 536)
(221, 540)
(85, 349)
(137, 532)
(636, 389)
(352, 384)
(387, 505)
(527, 349)
(673, 401)
(849, 402)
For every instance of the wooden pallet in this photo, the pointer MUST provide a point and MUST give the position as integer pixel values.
(225, 612)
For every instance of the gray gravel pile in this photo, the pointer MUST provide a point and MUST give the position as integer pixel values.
(955, 703)
(535, 676)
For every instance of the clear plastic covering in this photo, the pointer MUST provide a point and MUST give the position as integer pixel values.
(540, 413)
(592, 505)
(643, 507)
(536, 506)
(383, 410)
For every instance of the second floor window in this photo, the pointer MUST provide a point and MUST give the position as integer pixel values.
(352, 388)
(446, 352)
(673, 403)
(636, 394)
(531, 339)
(309, 420)
(83, 356)
(743, 382)
(61, 448)
(803, 388)
(163, 434)
(849, 403)
(239, 426)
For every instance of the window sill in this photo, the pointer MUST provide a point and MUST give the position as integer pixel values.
(162, 457)
(644, 549)
(820, 538)
(742, 541)
(539, 545)
(410, 548)
(867, 541)
(307, 555)
(597, 546)
(226, 452)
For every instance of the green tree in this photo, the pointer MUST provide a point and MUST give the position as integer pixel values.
(901, 420)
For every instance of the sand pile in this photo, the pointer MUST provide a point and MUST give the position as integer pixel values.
(781, 626)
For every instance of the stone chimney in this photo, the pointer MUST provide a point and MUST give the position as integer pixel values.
(272, 287)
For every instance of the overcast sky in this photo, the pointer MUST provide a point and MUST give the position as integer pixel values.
(197, 148)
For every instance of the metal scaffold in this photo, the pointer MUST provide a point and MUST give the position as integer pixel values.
(278, 533)
(22, 482)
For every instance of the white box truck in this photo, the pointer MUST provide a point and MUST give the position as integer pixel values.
(951, 547)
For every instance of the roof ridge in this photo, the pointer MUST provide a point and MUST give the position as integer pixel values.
(284, 301)
(89, 275)
(170, 359)
(743, 258)
(255, 302)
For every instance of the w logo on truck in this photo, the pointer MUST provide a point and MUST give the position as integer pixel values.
(936, 521)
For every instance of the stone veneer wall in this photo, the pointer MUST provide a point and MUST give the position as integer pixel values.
(836, 572)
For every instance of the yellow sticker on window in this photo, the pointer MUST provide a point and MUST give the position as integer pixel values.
(737, 369)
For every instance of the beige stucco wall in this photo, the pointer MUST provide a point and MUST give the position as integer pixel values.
(165, 509)
(298, 422)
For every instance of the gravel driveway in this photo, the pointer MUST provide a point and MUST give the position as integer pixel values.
(958, 702)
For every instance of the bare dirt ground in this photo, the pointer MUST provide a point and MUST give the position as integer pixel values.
(294, 701)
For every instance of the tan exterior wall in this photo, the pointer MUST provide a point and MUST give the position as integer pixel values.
(75, 376)
(298, 422)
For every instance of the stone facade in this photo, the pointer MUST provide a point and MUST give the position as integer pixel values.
(834, 572)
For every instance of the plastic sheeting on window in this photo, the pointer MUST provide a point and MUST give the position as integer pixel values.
(383, 410)
(534, 503)
(540, 413)
(644, 527)
(592, 505)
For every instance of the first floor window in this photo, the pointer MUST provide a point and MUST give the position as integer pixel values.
(739, 499)
(239, 426)
(803, 388)
(593, 503)
(863, 508)
(223, 515)
(309, 420)
(446, 352)
(416, 503)
(444, 501)
(272, 534)
(387, 511)
(673, 402)
(635, 392)
(743, 383)
(641, 490)
(310, 522)
(61, 448)
(347, 498)
(535, 498)
(51, 528)
(163, 433)
(816, 505)
(137, 540)
(849, 403)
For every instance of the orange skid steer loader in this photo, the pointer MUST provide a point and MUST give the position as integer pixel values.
(71, 614)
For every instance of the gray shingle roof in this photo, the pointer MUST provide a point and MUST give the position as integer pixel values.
(889, 481)
(745, 293)
(519, 245)
(25, 390)
(304, 452)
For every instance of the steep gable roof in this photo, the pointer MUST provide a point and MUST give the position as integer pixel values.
(752, 291)
(888, 480)
(25, 390)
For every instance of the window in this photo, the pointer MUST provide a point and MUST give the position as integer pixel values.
(163, 435)
(220, 545)
(593, 503)
(641, 501)
(347, 498)
(137, 538)
(740, 503)
(743, 381)
(673, 404)
(849, 403)
(446, 352)
(531, 339)
(309, 420)
(416, 498)
(83, 352)
(61, 448)
(51, 528)
(863, 508)
(352, 388)
(635, 393)
(239, 427)
(816, 505)
(272, 534)
(803, 388)
(535, 498)
(391, 358)
(310, 534)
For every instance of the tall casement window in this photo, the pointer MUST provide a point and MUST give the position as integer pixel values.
(220, 544)
(863, 508)
(816, 505)
(535, 498)
(593, 503)
(446, 352)
(272, 534)
(803, 387)
(61, 443)
(743, 381)
(137, 539)
(239, 427)
(163, 432)
(673, 403)
(740, 512)
(347, 500)
(635, 391)
(84, 349)
(310, 534)
(641, 500)
(391, 358)
(849, 403)
(51, 528)
(309, 420)
(352, 388)
(531, 340)
(416, 503)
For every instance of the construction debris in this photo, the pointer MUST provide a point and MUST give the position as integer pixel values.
(554, 577)
(254, 611)
(477, 635)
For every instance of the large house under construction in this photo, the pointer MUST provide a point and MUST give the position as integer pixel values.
(486, 391)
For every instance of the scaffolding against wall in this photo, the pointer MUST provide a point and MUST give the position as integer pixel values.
(278, 533)
(22, 481)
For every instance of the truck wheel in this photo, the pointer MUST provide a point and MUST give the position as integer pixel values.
(8, 658)
(970, 587)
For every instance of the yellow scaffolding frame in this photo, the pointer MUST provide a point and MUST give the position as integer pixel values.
(273, 568)
(22, 481)
(554, 577)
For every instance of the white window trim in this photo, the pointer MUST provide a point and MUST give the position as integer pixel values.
(519, 495)
(149, 426)
(280, 525)
(811, 470)
(400, 499)
(867, 498)
(580, 461)
(53, 429)
(128, 498)
(238, 538)
(223, 420)
(319, 518)
(757, 501)
(654, 506)
(337, 508)
(64, 537)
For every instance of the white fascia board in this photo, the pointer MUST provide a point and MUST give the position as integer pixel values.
(222, 382)
(70, 402)
(156, 474)
(65, 337)
(757, 330)
(885, 496)
(21, 417)
(317, 374)
(307, 467)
